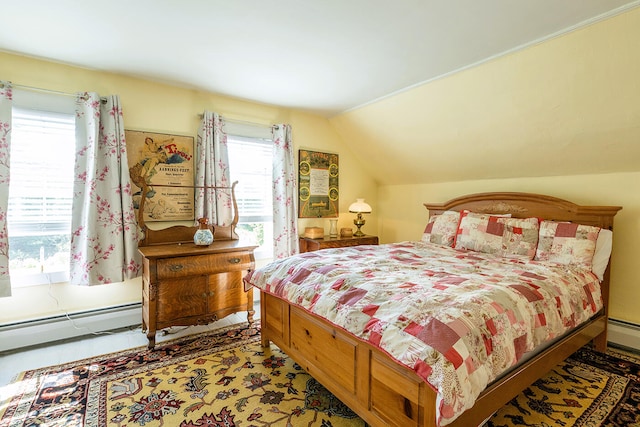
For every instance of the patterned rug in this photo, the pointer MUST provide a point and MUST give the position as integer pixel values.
(589, 389)
(225, 378)
(220, 378)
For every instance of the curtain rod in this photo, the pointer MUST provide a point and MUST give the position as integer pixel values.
(243, 122)
(39, 89)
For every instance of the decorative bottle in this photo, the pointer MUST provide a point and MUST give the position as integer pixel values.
(333, 228)
(203, 235)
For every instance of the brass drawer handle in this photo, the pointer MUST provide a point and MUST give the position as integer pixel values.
(234, 260)
(176, 267)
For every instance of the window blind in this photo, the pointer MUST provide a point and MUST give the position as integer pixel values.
(251, 166)
(42, 163)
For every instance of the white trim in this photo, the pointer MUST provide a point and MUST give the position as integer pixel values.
(42, 101)
(248, 130)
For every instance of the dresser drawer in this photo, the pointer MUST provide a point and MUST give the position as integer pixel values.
(204, 264)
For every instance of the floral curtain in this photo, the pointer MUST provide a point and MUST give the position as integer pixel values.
(104, 235)
(212, 170)
(5, 145)
(285, 214)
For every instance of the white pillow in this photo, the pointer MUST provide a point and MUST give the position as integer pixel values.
(602, 253)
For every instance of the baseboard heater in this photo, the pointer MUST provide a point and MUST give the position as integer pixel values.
(623, 333)
(56, 328)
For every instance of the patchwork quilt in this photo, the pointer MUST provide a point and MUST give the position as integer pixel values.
(457, 318)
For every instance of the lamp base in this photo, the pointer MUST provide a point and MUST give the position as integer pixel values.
(358, 222)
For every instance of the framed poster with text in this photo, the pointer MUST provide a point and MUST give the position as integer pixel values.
(165, 163)
(318, 184)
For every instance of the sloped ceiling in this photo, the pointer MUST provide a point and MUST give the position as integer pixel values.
(568, 106)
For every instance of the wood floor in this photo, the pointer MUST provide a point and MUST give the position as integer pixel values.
(16, 361)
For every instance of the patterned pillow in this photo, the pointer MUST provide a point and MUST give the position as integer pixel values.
(567, 243)
(520, 237)
(442, 228)
(480, 233)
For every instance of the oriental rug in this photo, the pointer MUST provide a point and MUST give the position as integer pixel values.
(225, 378)
(589, 389)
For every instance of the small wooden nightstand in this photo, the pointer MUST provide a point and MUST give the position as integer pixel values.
(308, 245)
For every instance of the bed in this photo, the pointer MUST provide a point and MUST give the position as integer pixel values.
(387, 380)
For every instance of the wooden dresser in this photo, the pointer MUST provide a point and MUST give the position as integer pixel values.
(185, 284)
(307, 244)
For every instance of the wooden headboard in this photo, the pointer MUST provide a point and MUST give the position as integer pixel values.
(524, 205)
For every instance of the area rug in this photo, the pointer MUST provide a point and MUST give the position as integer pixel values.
(589, 389)
(225, 378)
(220, 378)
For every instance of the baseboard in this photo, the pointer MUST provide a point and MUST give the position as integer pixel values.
(624, 334)
(37, 332)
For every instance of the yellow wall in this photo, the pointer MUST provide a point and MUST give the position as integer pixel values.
(155, 107)
(403, 217)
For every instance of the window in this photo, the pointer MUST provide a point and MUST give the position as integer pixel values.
(40, 191)
(250, 163)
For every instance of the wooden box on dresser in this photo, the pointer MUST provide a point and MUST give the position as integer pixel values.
(308, 244)
(185, 284)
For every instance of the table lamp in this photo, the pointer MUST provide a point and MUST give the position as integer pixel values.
(359, 207)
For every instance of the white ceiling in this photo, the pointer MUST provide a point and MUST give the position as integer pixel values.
(324, 56)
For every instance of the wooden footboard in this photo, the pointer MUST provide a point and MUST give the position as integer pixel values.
(382, 392)
(379, 390)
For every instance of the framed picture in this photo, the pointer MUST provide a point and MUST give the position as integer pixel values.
(318, 184)
(165, 162)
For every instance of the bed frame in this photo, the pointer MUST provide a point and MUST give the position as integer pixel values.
(384, 393)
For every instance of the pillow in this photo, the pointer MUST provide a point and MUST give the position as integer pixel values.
(441, 229)
(520, 237)
(567, 243)
(480, 233)
(602, 253)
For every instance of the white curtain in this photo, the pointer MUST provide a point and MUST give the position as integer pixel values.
(5, 146)
(212, 170)
(104, 237)
(285, 193)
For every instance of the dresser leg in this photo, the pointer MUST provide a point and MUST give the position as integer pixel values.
(151, 336)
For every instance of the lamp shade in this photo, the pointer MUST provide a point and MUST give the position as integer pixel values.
(359, 207)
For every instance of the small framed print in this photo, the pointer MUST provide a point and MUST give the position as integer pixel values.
(165, 162)
(318, 177)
